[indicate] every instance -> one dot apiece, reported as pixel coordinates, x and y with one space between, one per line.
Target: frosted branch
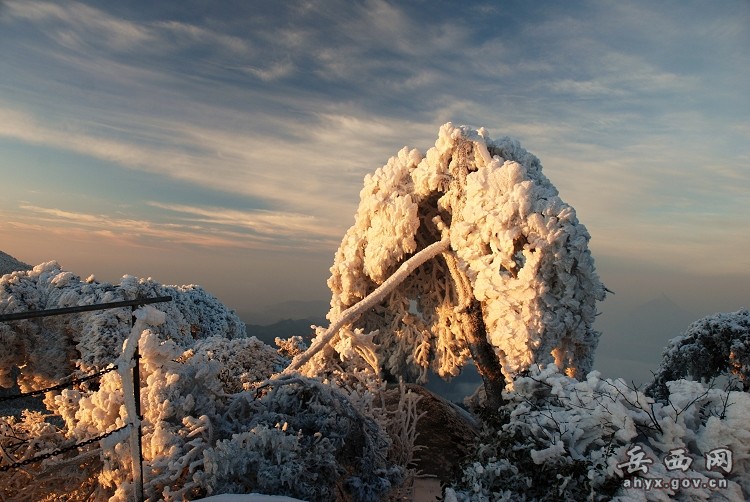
370 300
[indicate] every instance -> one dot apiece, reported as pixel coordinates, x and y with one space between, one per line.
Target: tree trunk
484 356
487 363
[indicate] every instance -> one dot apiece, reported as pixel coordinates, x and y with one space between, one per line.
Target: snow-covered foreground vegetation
464 253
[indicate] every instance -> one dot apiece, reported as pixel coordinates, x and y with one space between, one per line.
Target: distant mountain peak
659 305
9 264
292 309
659 318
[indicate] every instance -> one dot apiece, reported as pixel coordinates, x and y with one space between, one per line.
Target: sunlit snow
470 227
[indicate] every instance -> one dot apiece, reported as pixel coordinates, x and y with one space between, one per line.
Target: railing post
135 433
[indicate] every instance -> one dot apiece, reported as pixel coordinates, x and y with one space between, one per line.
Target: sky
224 143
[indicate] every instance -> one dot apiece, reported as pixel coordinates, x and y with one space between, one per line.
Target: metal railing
133 304
33 314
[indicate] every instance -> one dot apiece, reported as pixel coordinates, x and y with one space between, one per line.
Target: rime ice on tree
516 286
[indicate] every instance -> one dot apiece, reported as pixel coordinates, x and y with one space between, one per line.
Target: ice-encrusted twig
370 300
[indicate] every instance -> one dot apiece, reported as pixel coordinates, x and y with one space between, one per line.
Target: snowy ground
253 497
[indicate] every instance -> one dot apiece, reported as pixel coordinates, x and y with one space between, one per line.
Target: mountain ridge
10 264
290 309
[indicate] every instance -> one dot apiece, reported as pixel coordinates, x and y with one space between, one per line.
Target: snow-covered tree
503 272
718 344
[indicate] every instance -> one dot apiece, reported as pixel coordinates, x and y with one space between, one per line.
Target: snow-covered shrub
300 438
270 460
291 347
66 477
517 285
560 438
716 345
54 347
210 412
41 346
242 362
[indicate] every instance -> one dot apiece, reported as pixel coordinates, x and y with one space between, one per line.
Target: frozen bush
716 345
557 437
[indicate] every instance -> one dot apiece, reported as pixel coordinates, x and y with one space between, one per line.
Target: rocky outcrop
446 433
